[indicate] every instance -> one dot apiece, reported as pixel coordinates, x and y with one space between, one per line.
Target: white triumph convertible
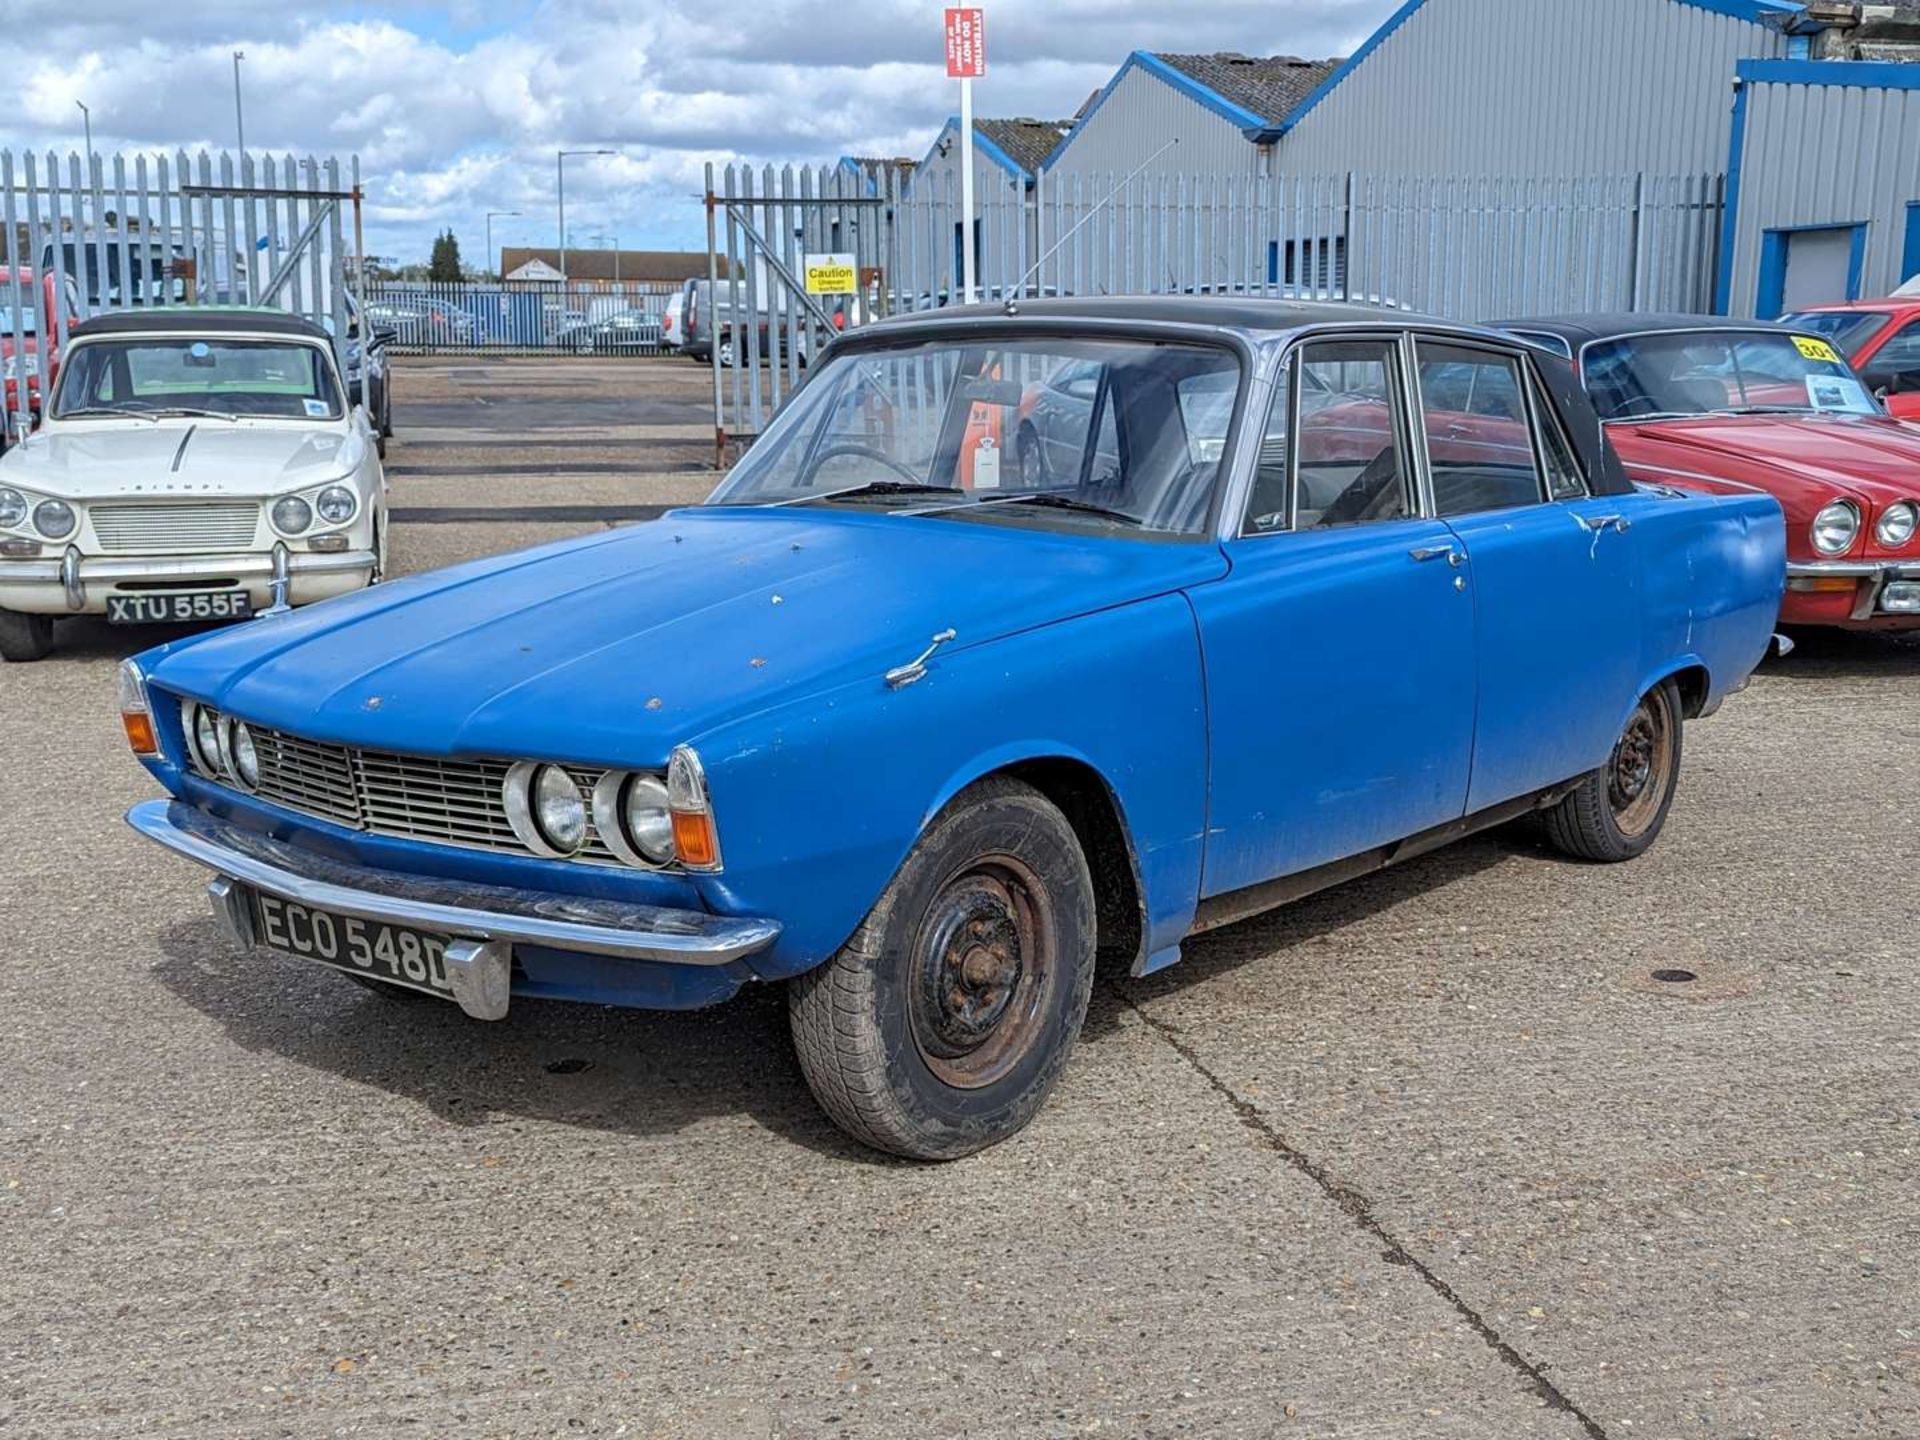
194 464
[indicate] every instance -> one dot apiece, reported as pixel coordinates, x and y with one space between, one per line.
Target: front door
1339 649
1553 571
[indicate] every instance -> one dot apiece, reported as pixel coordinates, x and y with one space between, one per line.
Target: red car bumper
1853 594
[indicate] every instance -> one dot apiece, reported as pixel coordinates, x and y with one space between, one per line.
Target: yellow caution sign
832 275
1816 350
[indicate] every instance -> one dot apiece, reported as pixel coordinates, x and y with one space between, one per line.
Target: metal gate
83 236
1464 248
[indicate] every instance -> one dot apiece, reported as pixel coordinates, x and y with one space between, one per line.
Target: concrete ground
1432 1155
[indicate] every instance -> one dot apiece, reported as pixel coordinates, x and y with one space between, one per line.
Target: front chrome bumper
80 577
485 921
1870 576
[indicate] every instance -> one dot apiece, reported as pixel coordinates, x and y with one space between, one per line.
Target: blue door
1339 648
1553 572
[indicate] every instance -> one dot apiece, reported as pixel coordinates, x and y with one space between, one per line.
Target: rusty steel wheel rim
984 965
1642 766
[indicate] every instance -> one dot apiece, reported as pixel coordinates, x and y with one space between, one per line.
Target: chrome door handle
1617 523
1436 552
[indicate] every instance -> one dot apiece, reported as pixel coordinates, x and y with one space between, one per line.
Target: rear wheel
1618 811
945 1022
25 637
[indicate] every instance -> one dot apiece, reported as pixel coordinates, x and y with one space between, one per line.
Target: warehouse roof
1266 86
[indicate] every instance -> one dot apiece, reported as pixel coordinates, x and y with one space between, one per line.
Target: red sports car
1881 340
1703 403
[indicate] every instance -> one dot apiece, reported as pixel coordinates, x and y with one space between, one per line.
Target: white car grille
174 528
411 797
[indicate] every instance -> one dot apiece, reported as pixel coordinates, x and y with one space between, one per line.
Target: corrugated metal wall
1139 116
1536 89
1826 155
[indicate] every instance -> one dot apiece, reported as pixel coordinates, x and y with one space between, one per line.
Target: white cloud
455 110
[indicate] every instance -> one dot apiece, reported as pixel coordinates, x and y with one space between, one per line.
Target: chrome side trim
1858 569
451 907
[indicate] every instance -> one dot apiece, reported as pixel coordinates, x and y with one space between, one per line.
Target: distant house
602 267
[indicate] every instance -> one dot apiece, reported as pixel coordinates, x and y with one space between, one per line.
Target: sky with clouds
457 109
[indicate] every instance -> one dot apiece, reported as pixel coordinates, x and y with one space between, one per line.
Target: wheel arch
1695 682
1077 788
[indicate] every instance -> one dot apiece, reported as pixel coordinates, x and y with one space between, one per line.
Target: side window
1349 468
1895 368
1564 478
1267 506
1479 442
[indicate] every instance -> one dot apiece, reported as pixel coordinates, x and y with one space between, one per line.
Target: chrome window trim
1523 377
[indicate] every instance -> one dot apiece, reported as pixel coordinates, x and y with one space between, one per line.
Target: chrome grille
410 797
174 527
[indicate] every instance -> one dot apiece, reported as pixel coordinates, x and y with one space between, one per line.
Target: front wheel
946 1020
1617 812
25 637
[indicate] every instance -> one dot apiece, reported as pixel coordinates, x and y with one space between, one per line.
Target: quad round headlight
13 508
1836 527
203 738
631 816
335 504
292 515
558 809
54 519
245 759
545 808
1897 524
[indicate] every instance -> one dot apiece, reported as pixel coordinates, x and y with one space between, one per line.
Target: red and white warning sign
966 44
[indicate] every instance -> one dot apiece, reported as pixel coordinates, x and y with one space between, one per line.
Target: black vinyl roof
1580 330
209 319
1235 312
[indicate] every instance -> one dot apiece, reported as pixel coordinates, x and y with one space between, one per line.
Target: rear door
1339 648
1553 570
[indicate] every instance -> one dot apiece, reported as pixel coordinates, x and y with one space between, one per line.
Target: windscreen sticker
316 409
1837 392
1816 349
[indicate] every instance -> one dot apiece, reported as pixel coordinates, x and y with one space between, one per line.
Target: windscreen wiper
872 487
1053 500
90 411
194 414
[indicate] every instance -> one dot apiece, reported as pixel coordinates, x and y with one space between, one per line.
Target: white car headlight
54 519
1836 527
1897 524
558 809
246 760
292 515
13 509
335 505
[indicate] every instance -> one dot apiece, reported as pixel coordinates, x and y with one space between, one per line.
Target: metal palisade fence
84 235
1461 248
523 316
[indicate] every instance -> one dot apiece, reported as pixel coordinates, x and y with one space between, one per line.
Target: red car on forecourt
1700 402
1881 340
27 326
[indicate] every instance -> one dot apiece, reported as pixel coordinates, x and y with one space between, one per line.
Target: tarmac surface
1432 1154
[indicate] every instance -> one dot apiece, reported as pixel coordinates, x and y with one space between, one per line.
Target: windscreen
1666 374
240 378
1847 330
1120 435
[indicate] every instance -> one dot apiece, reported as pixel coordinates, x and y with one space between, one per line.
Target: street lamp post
86 118
491 215
239 119
560 189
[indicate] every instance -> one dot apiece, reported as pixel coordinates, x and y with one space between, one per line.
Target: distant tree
444 266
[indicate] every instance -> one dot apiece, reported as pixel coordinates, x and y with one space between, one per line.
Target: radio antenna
1106 201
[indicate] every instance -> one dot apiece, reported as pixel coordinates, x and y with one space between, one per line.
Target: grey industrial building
1800 120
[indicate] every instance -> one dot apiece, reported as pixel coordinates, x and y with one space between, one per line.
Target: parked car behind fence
521 317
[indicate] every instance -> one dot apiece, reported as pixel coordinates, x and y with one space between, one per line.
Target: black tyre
1032 460
25 637
1618 811
945 1022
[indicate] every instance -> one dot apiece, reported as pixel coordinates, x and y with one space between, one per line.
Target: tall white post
969 274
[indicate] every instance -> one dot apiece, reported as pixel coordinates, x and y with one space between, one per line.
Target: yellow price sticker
1816 350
